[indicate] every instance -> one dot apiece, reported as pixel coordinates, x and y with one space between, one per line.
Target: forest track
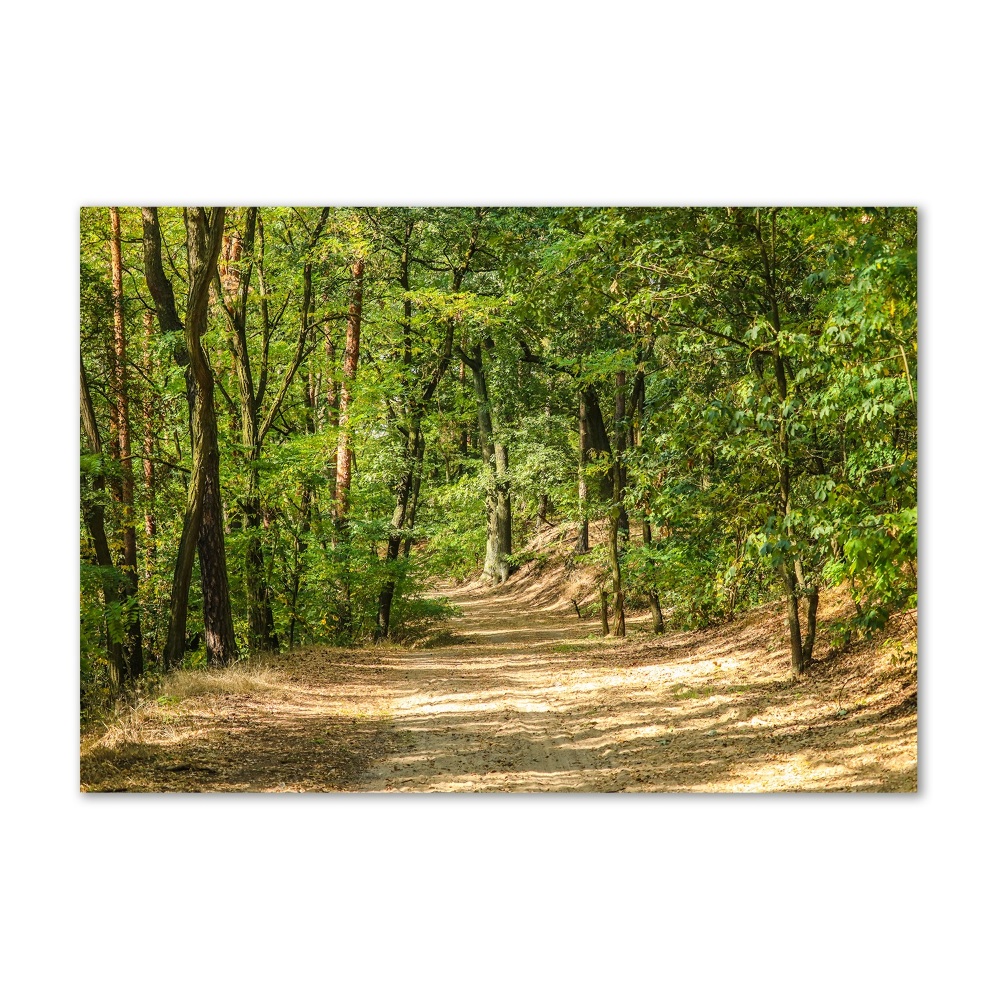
518 697
531 699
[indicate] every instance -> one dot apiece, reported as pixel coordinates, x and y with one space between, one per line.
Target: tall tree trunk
503 521
647 534
790 574
204 243
148 445
235 273
132 646
403 487
345 453
654 598
496 565
202 524
298 550
93 512
542 514
162 292
260 616
220 634
583 541
812 606
331 412
618 524
617 592
411 516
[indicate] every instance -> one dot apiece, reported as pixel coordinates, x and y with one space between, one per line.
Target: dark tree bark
148 446
639 398
210 549
617 518
162 292
792 575
654 598
132 645
411 516
159 285
202 525
403 487
298 552
93 513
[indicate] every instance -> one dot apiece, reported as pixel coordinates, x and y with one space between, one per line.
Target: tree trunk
502 520
235 274
618 526
220 634
597 440
415 411
345 453
785 488
204 503
812 606
647 533
792 615
260 616
148 444
617 592
583 541
93 512
132 645
791 575
411 516
542 516
605 630
496 564
299 548
652 595
162 293
403 488
204 244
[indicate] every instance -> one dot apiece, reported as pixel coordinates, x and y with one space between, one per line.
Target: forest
339 433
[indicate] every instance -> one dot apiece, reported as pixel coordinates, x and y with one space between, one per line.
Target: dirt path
527 702
519 698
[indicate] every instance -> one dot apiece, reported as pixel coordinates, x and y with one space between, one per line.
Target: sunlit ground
528 700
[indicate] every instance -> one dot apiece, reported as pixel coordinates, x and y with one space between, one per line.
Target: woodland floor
521 695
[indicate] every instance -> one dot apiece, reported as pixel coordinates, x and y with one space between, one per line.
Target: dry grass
250 677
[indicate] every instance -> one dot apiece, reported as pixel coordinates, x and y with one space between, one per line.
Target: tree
256 414
125 481
732 392
202 529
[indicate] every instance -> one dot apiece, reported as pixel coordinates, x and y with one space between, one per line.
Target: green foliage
743 468
455 528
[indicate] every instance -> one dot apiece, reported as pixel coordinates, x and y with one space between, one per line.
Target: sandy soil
519 695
